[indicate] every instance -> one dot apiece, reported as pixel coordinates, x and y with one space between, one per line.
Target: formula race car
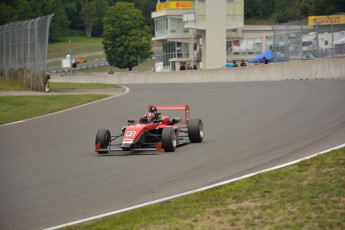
153 132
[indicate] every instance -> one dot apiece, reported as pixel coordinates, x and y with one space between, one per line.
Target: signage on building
326 20
174 5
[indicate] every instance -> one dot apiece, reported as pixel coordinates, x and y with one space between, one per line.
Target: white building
195 31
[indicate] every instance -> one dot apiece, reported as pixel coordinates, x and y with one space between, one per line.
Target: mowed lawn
78 45
16 108
307 195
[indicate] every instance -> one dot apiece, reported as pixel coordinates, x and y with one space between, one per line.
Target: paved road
51 175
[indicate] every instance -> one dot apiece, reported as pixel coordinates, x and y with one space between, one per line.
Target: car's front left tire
169 139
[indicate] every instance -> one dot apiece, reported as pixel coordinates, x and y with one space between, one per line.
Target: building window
200 9
161 27
234 10
244 47
174 50
176 25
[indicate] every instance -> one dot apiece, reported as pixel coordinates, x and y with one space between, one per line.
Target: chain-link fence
24 44
303 40
23 51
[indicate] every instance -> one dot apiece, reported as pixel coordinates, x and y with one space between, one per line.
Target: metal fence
298 40
24 44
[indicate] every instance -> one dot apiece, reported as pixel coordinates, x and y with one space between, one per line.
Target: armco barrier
333 68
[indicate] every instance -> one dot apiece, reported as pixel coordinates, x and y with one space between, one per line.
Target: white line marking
16 122
193 191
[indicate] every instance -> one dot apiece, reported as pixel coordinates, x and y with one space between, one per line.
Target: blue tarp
268 54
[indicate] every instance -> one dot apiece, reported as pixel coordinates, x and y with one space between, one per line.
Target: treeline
279 11
71 16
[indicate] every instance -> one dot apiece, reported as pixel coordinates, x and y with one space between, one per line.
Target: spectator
228 64
265 60
46 83
234 62
183 66
194 67
189 67
243 63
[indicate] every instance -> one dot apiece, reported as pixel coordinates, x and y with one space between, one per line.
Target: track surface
51 175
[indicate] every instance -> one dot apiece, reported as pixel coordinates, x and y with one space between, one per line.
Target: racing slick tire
195 130
169 139
103 138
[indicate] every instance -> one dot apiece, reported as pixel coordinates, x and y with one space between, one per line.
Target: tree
60 21
126 38
282 12
7 13
89 17
101 8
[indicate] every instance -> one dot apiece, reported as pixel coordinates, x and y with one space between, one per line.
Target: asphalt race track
50 174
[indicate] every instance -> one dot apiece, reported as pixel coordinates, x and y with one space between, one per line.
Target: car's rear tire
103 138
195 130
169 139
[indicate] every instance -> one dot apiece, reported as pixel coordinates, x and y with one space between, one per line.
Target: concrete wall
316 69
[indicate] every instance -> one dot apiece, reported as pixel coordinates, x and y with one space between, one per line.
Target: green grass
88 59
11 86
307 195
16 108
71 86
79 45
147 65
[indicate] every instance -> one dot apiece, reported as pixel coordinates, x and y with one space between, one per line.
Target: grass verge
79 45
72 86
16 108
11 86
307 195
147 65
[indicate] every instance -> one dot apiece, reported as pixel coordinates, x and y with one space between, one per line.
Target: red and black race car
153 132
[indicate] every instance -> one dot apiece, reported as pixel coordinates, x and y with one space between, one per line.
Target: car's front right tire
195 130
103 139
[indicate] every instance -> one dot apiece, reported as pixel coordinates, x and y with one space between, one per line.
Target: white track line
16 122
193 191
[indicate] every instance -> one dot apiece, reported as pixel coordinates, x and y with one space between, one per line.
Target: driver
152 115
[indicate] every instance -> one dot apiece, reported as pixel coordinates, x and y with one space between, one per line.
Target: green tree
282 12
60 21
24 10
89 17
326 7
126 38
101 8
7 13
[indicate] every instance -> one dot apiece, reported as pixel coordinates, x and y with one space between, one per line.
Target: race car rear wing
177 107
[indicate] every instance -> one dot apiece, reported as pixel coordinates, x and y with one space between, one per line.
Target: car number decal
130 133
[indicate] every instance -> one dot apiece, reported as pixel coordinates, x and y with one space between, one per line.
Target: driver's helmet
152 109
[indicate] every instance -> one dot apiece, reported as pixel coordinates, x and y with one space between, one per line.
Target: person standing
235 64
46 83
243 63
